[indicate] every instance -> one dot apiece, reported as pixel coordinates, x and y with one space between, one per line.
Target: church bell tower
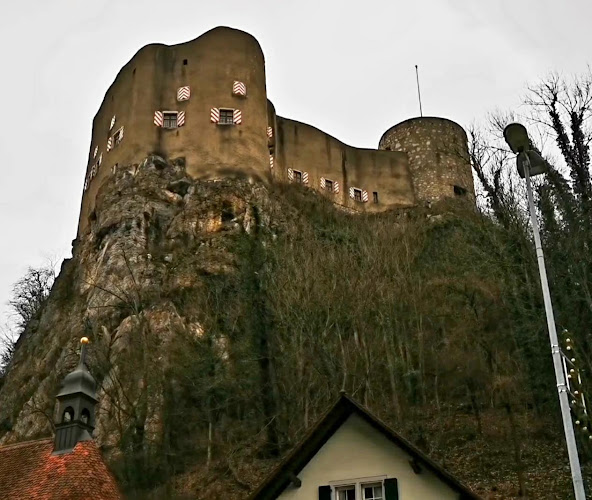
76 406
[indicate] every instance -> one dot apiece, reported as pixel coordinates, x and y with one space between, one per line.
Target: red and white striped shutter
215 115
336 187
180 118
322 182
364 195
290 174
158 118
121 135
112 123
95 151
352 193
269 132
237 117
85 184
304 177
183 93
100 159
239 88
110 144
270 161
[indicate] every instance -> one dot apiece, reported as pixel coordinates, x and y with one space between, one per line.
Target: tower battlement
206 100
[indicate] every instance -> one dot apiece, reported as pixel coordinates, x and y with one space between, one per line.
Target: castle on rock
206 101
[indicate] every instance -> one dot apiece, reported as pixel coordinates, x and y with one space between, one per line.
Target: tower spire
76 406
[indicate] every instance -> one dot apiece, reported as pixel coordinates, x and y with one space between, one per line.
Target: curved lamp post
529 162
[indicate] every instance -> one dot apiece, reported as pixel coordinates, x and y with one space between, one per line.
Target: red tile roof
28 471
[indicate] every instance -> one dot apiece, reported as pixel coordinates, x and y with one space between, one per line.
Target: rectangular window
297 176
357 194
118 137
375 196
226 117
346 493
329 185
169 119
372 491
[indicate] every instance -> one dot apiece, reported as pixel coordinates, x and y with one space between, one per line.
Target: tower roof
79 381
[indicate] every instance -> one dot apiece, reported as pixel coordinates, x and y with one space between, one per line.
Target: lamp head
517 138
532 160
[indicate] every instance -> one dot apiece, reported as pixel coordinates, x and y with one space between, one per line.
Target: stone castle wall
224 69
438 156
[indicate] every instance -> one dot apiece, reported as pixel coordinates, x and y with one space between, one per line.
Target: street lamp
529 162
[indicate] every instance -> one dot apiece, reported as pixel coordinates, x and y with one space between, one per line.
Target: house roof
29 471
328 424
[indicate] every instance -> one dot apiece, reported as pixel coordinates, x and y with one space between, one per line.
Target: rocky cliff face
154 236
225 316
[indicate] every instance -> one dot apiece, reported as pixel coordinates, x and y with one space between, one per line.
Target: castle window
297 176
459 191
184 62
329 185
118 137
169 119
226 117
357 194
68 415
375 196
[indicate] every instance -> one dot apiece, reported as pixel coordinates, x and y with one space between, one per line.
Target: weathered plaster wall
149 83
438 156
302 147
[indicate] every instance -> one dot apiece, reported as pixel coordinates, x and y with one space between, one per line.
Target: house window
297 176
169 119
375 196
357 194
360 491
329 185
226 117
346 493
372 491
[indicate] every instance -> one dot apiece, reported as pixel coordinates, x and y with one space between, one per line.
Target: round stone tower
438 156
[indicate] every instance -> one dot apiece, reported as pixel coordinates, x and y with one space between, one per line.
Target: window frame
114 136
357 194
330 182
358 483
164 119
226 112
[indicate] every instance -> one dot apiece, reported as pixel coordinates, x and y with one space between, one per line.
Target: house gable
363 434
358 453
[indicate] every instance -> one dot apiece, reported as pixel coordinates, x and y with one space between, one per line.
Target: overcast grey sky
344 66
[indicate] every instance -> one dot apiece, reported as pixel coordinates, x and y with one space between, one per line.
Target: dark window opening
227 212
117 137
297 176
358 194
226 117
459 191
169 120
184 62
85 416
68 415
375 196
329 185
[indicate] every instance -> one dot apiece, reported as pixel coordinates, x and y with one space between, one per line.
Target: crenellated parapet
206 101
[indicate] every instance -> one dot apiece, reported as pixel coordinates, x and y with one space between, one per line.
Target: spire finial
84 342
